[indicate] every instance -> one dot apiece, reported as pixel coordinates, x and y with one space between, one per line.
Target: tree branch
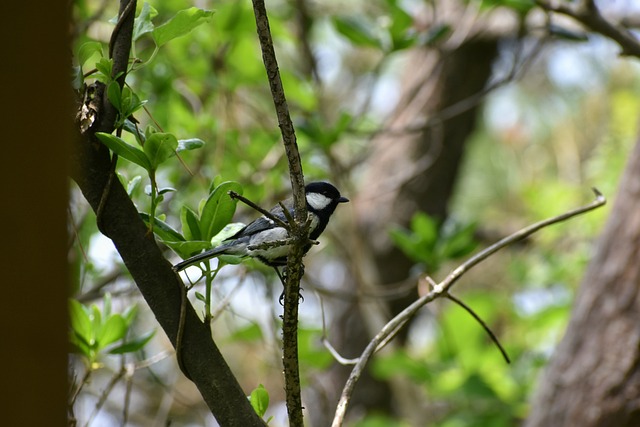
441 289
299 227
587 13
157 282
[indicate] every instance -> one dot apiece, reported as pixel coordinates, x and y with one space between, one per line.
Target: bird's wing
261 224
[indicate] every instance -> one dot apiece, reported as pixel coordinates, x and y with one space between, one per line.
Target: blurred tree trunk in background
593 378
412 168
413 172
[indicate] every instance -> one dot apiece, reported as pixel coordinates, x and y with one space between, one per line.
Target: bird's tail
211 253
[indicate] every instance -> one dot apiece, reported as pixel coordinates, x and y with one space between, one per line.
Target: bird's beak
343 200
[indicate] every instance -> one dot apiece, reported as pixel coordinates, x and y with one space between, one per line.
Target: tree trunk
593 378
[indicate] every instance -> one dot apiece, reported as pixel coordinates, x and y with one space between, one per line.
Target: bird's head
323 197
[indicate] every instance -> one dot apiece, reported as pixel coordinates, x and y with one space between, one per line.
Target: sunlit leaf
114 329
187 249
163 230
87 50
133 345
180 24
218 210
159 147
358 30
143 24
190 224
124 150
259 399
80 321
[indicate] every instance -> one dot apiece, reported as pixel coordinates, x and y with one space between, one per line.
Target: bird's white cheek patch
318 201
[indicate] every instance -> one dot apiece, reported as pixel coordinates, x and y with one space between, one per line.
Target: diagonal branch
441 289
587 13
263 211
483 324
159 285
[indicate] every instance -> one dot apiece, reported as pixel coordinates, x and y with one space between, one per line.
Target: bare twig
441 289
337 356
482 323
298 228
105 394
325 340
586 12
263 211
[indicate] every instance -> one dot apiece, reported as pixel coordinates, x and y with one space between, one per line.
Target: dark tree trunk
416 171
593 379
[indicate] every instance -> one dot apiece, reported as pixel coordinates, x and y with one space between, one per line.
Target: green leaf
187 249
124 150
218 210
358 30
159 147
80 321
106 304
104 67
190 224
189 144
143 24
163 230
114 94
435 34
401 29
133 345
260 400
87 50
182 23
130 314
228 231
165 190
130 127
230 259
114 329
200 297
458 243
96 320
133 184
425 227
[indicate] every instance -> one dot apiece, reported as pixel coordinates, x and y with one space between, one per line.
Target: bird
322 199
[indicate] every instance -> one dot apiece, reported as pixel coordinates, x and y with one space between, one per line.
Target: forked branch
441 289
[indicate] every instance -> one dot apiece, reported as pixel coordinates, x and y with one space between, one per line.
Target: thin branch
440 290
337 356
263 211
105 394
482 323
587 13
325 340
298 228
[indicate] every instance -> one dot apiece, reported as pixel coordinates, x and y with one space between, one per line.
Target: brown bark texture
593 378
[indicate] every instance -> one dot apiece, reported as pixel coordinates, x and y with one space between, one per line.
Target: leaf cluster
96 332
429 243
